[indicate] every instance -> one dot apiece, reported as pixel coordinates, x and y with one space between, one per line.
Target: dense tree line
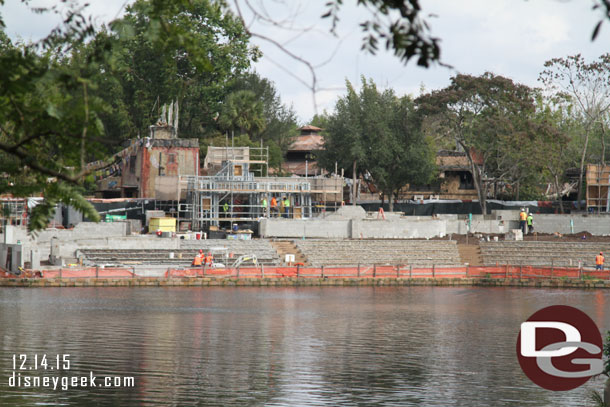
518 140
76 95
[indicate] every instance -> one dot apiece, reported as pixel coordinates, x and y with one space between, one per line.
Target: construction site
162 208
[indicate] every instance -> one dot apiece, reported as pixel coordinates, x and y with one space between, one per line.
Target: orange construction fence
361 271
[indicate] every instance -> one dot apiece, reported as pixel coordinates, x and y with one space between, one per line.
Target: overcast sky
508 37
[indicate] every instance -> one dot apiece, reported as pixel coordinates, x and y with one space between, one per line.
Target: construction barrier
360 271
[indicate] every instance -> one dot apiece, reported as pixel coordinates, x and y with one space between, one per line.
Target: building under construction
232 191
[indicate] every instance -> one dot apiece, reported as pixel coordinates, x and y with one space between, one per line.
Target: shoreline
303 281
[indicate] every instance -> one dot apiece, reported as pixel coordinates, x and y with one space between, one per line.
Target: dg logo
560 348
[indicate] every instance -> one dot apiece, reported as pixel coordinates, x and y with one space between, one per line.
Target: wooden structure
598 191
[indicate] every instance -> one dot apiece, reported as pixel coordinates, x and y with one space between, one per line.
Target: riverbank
303 281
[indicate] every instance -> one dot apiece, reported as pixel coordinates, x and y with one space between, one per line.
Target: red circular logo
560 348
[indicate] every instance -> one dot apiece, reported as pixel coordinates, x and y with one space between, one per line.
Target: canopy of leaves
381 133
488 117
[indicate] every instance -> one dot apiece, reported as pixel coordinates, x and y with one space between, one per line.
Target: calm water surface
330 346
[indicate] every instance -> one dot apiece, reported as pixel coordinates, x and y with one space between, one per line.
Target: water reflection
285 346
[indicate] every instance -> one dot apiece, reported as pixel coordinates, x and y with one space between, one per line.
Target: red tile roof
310 142
310 128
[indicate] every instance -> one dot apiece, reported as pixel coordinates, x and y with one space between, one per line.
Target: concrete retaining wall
403 228
428 226
312 228
595 224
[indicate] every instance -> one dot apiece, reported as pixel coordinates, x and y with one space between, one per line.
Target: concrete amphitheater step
284 247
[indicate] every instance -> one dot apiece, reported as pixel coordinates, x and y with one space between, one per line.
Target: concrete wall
428 226
16 258
594 224
404 228
312 228
67 240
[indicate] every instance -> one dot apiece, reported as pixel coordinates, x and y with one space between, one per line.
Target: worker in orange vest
273 207
209 259
599 261
198 259
522 220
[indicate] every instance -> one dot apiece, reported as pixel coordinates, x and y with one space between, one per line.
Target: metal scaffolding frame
221 198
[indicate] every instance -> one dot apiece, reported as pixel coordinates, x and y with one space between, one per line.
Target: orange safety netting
385 271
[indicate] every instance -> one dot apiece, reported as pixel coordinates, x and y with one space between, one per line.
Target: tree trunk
582 169
478 183
354 186
391 206
518 189
558 194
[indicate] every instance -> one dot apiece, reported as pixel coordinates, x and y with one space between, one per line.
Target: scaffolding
234 194
598 188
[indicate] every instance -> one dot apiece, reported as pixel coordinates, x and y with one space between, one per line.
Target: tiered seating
542 253
262 249
352 252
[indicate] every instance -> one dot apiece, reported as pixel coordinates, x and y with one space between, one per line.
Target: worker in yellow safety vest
286 204
599 261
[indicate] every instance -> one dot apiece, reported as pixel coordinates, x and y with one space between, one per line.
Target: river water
323 346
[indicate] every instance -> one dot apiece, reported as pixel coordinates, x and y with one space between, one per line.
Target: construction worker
209 259
198 259
530 223
599 261
522 220
286 204
225 209
274 209
264 205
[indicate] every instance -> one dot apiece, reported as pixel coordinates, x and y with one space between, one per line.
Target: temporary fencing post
298 269
60 272
133 275
97 271
410 271
467 269
551 268
358 270
374 270
203 270
322 271
580 270
398 271
433 271
237 271
521 272
263 271
506 272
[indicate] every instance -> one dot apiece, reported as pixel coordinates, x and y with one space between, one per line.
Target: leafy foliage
488 117
407 35
381 134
